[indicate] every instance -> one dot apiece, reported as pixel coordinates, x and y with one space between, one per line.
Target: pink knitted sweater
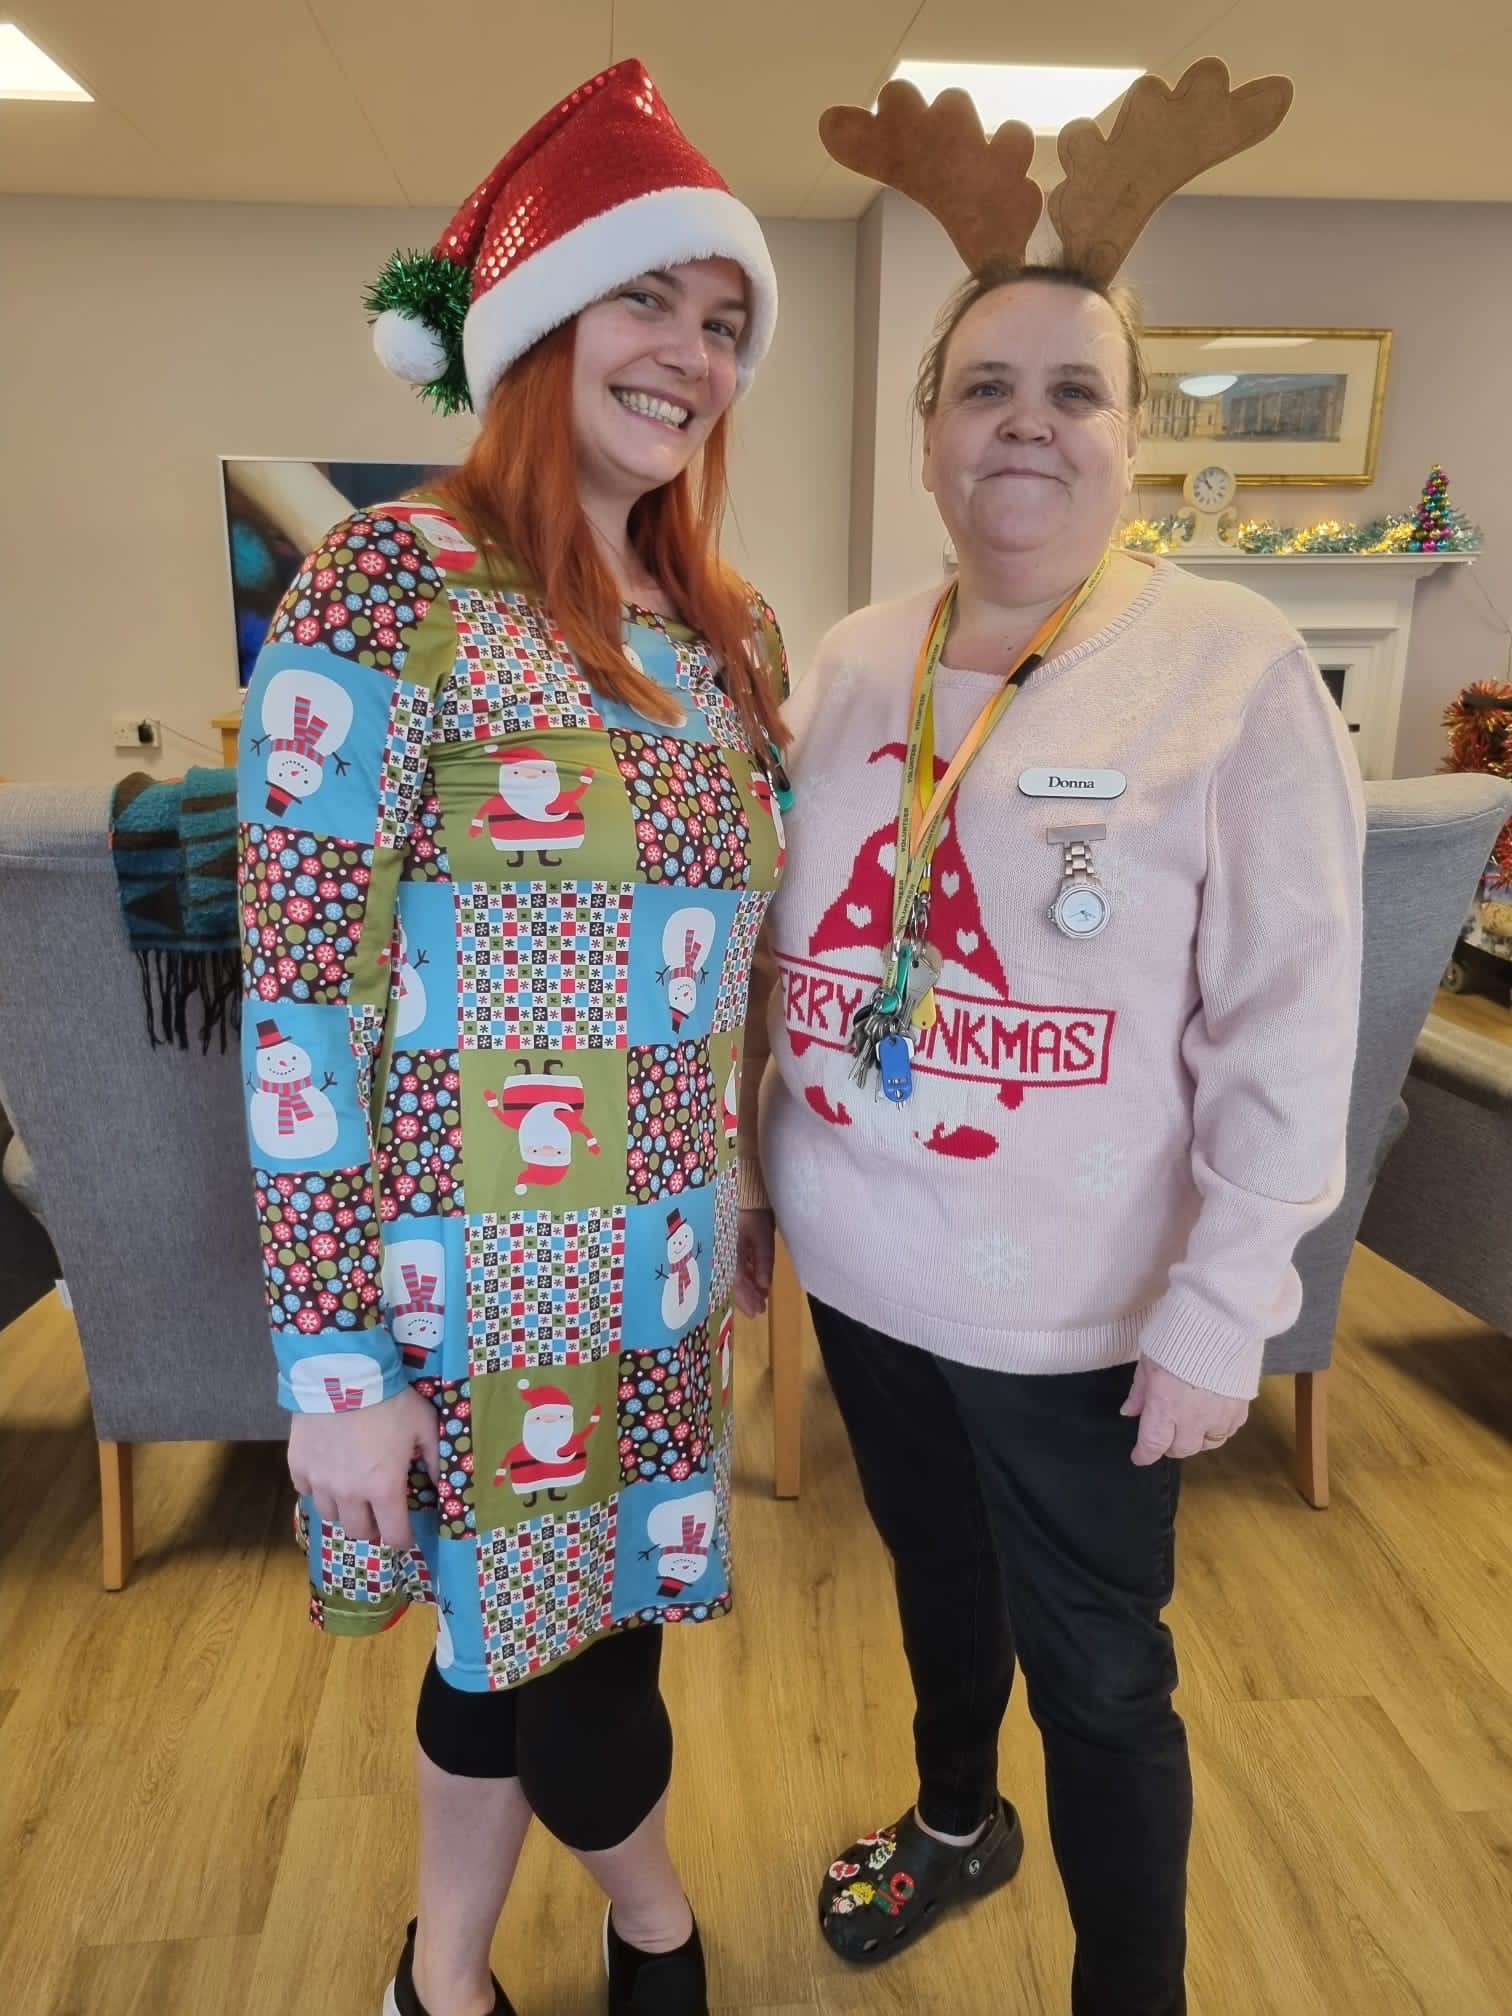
1115 1143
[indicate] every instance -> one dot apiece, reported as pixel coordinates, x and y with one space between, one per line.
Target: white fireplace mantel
1355 611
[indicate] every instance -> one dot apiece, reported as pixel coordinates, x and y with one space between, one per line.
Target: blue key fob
895 1063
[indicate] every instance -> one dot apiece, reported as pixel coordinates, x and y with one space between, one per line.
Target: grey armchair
1428 840
138 1156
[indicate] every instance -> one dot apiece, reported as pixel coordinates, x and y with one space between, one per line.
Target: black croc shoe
655 1984
888 1889
401 1999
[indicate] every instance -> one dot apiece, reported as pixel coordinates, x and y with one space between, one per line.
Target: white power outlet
136 731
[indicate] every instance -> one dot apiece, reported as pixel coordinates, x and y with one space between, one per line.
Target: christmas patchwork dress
497 935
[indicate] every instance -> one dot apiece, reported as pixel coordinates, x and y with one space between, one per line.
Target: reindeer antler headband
981 190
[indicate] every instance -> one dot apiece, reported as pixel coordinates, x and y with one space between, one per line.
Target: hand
755 1254
1176 1419
356 1465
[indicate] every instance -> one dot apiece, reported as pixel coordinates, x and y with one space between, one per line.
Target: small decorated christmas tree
1479 723
1434 519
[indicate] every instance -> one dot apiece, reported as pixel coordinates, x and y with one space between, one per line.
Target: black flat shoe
655 1984
888 1889
401 1999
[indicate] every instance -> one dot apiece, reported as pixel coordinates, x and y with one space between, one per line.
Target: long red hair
517 491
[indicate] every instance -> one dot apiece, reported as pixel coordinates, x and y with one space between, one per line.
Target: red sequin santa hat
603 188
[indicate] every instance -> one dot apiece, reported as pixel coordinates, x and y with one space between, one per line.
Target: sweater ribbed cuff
750 1185
1186 1336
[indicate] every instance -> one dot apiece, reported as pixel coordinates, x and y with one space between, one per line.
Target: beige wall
1438 274
142 340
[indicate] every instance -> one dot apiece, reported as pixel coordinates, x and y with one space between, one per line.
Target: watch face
1082 912
1213 487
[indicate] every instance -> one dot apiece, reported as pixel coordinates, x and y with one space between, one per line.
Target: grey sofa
139 1158
1443 1207
1429 839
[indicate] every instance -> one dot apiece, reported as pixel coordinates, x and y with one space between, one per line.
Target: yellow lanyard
922 804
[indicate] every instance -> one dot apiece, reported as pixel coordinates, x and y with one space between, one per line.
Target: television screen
278 511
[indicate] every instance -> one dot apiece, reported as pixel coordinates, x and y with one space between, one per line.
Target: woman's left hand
1176 1419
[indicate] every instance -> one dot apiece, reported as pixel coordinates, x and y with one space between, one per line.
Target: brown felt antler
1162 138
979 189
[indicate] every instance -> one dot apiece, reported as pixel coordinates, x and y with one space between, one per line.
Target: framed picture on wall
1273 405
277 511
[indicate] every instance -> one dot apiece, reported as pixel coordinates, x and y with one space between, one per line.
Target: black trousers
590 1741
1022 1534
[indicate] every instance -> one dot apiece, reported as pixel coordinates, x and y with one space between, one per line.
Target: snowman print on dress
531 813
683 1279
291 1118
336 1382
681 1532
410 987
545 1108
306 718
687 940
414 1293
446 1647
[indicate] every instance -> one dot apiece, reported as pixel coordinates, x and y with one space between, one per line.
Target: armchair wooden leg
785 1344
1312 1438
117 1529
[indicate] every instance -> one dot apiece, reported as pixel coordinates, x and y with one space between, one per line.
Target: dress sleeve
1271 1045
332 761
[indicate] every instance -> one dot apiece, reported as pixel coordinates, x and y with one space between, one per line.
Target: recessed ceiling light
1044 96
26 73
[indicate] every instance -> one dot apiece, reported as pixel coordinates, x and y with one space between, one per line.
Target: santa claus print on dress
305 717
545 1108
532 812
551 1455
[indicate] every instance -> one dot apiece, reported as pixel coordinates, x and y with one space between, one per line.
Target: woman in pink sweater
1060 1066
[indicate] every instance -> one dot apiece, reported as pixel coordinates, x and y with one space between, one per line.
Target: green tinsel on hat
419 303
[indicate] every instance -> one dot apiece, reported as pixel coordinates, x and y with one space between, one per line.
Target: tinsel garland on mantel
1435 527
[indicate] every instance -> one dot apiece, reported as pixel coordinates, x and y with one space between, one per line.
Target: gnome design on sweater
306 718
545 1108
550 1455
290 1116
683 1530
414 1292
531 813
687 940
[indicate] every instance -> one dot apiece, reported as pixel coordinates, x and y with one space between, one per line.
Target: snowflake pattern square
301 912
452 1400
424 854
365 1035
735 980
363 592
690 824
545 1589
514 674
566 950
401 773
726 1239
419 1155
672 1126
664 1410
543 1288
996 1261
1101 1170
319 1249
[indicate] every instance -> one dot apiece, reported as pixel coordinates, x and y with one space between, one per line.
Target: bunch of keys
882 1033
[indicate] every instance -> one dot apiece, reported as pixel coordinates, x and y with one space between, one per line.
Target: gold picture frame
1277 406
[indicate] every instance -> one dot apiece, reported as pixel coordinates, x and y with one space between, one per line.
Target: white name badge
1073 783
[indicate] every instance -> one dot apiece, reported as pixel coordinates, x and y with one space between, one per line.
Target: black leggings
590 1741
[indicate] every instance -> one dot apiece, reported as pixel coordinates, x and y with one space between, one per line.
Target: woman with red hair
509 790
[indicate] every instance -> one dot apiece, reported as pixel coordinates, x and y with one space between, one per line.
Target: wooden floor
206 1806
1486 1014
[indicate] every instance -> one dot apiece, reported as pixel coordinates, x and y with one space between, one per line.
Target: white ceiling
411 101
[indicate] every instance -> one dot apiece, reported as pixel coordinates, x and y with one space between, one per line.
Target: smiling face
1031 445
654 367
